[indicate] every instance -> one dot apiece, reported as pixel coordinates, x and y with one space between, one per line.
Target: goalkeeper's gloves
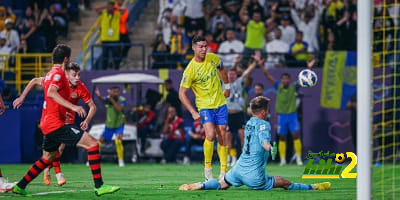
274 151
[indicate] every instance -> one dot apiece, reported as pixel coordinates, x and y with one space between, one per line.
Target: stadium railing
92 37
98 48
18 69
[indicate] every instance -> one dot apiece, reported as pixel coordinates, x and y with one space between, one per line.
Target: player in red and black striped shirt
56 132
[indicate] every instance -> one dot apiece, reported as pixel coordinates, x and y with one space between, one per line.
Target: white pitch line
59 192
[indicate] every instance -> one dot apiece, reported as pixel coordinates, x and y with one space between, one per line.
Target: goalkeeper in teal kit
250 168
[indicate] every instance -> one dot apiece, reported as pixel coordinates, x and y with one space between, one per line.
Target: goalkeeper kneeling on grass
250 168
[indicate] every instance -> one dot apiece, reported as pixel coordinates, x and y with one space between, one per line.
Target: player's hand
2 108
84 125
196 116
227 93
18 102
80 111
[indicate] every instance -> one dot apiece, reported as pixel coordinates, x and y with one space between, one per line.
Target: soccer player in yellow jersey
202 75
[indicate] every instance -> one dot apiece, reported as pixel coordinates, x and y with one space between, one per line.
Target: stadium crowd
288 32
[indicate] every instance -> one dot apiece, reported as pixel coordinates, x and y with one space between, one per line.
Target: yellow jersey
203 79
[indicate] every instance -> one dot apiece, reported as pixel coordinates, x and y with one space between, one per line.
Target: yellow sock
208 153
282 149
233 152
120 149
297 146
223 157
99 145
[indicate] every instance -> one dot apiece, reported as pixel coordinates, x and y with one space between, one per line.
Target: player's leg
229 140
90 144
49 153
119 145
207 120
57 169
221 120
211 184
282 132
280 182
294 127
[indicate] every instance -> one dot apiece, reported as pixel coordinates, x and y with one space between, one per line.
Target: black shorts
68 134
235 121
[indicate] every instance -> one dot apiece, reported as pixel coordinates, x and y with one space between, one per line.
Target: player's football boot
193 186
106 189
60 179
46 176
322 186
299 162
5 186
283 162
208 174
20 191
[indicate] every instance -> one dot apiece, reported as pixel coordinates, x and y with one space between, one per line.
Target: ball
307 78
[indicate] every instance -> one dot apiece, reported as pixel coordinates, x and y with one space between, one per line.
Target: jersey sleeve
276 85
187 78
216 61
55 80
122 100
85 95
264 132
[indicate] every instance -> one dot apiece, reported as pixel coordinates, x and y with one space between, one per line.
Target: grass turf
155 181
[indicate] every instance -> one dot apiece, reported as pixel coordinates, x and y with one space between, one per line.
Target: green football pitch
156 181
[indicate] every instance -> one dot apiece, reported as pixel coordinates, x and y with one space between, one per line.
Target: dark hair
168 81
73 66
115 87
299 32
198 38
285 74
258 104
260 85
60 52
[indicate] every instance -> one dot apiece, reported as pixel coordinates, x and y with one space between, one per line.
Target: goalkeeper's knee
211 184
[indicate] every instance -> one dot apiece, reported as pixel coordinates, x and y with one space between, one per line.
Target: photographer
115 120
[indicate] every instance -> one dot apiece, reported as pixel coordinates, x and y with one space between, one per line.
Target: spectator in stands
334 9
347 28
145 125
160 53
219 35
179 46
194 15
34 40
22 47
6 15
109 36
240 31
288 31
232 10
5 51
58 9
197 136
331 44
47 29
382 20
74 11
11 35
309 25
172 98
230 49
276 50
298 49
219 17
173 135
254 36
123 28
212 46
282 7
29 13
164 25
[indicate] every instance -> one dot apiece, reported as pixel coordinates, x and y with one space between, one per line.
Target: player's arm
186 102
267 75
52 93
117 106
20 100
223 75
89 117
98 94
